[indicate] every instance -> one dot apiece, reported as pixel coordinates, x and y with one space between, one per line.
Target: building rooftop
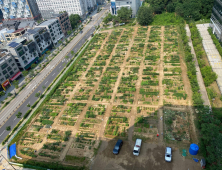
47 22
33 31
19 30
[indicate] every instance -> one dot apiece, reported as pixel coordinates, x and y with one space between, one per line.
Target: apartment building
24 51
14 9
117 4
81 7
53 27
8 35
41 37
64 21
216 19
9 70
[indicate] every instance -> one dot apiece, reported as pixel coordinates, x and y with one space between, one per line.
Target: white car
168 154
136 149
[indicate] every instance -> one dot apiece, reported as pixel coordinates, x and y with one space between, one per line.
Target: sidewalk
213 55
203 91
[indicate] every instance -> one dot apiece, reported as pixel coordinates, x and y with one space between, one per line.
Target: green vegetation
167 19
145 15
216 41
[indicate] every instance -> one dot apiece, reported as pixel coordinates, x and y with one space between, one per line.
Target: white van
137 147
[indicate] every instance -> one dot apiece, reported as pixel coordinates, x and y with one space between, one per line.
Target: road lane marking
14 119
46 82
2 133
53 74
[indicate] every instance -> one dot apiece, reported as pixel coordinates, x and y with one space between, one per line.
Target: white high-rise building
81 7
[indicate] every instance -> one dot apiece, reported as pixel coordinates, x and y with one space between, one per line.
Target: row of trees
194 9
123 15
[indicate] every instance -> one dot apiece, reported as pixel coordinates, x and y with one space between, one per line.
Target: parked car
117 147
168 154
137 147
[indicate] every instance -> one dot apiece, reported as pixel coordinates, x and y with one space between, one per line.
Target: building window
2 79
9 68
4 66
49 26
13 64
6 76
5 72
25 62
15 68
10 60
11 73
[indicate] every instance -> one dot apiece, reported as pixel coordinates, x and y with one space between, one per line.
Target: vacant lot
125 82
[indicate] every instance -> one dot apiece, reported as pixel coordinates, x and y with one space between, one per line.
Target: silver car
168 154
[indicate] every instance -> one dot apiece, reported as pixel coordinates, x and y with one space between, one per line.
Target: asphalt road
13 120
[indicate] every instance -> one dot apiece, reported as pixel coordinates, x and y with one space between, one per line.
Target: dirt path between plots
161 76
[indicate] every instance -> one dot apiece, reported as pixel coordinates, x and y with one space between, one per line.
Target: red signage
5 83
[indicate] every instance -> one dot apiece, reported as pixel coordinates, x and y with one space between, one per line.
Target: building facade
53 27
80 7
41 37
14 9
9 70
117 4
64 22
216 19
24 51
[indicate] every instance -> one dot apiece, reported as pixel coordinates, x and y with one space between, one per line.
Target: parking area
151 157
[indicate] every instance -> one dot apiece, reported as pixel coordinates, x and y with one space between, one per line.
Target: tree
37 94
33 65
145 15
69 32
43 87
16 84
19 115
67 57
74 20
72 53
60 42
2 93
207 6
179 9
124 13
8 128
25 73
192 9
170 7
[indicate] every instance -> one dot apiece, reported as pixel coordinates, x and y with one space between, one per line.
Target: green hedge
191 70
49 165
215 40
27 113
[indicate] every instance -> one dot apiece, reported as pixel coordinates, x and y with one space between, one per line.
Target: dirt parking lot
151 157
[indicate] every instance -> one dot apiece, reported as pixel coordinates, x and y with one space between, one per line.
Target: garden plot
121 110
136 55
106 85
87 138
173 85
176 125
170 40
141 35
113 38
145 128
49 145
71 114
149 89
127 36
127 87
155 34
117 126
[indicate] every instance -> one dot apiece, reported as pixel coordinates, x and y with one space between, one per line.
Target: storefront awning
5 83
16 75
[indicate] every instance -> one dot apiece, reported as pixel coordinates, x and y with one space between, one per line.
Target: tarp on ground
12 150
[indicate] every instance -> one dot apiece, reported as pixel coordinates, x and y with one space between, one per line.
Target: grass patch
167 19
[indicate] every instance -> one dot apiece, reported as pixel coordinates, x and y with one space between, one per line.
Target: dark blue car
117 147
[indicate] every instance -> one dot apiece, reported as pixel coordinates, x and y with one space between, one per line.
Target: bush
27 113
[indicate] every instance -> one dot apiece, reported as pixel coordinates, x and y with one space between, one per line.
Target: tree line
188 9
